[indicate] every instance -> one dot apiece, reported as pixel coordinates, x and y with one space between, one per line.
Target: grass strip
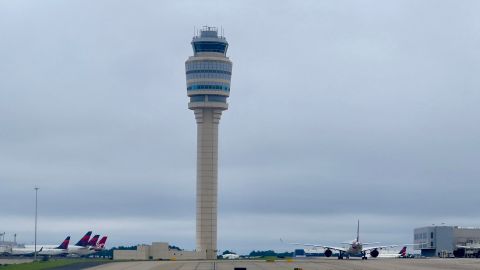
41 265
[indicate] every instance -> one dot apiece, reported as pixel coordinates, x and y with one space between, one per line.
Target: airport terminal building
448 241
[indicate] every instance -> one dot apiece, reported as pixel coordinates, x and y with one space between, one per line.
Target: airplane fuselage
41 250
230 256
52 252
355 248
79 250
22 251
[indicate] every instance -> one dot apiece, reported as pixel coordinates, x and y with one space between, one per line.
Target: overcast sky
339 110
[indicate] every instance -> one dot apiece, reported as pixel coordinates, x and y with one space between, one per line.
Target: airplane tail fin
93 241
84 241
358 230
101 243
403 252
64 244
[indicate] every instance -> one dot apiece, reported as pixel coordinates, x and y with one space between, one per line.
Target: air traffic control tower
208 85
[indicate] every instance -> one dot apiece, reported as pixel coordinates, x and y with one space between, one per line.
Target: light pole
36 210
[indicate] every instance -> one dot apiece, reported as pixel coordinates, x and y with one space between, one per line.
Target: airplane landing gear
364 257
340 256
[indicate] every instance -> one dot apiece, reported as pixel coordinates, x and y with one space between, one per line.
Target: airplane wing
473 246
378 247
320 246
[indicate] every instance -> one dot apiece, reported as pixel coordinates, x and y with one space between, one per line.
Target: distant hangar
447 241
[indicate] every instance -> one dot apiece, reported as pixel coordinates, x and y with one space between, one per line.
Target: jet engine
374 253
328 253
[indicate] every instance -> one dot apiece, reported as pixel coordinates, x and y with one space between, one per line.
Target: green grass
40 265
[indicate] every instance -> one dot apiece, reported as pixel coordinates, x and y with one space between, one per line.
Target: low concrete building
447 241
156 251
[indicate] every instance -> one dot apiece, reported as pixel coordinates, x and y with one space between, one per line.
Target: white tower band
208 85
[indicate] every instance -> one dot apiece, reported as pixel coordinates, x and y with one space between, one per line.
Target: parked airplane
42 250
85 246
230 256
87 250
62 249
81 246
355 248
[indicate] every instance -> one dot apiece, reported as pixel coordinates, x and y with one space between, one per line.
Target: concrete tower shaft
208 74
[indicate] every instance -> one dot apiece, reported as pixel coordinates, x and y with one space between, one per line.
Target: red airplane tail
84 241
403 252
93 241
64 244
101 243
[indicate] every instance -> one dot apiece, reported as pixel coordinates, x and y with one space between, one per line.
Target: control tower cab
208 71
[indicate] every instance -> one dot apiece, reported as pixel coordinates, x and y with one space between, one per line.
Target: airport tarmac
308 264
